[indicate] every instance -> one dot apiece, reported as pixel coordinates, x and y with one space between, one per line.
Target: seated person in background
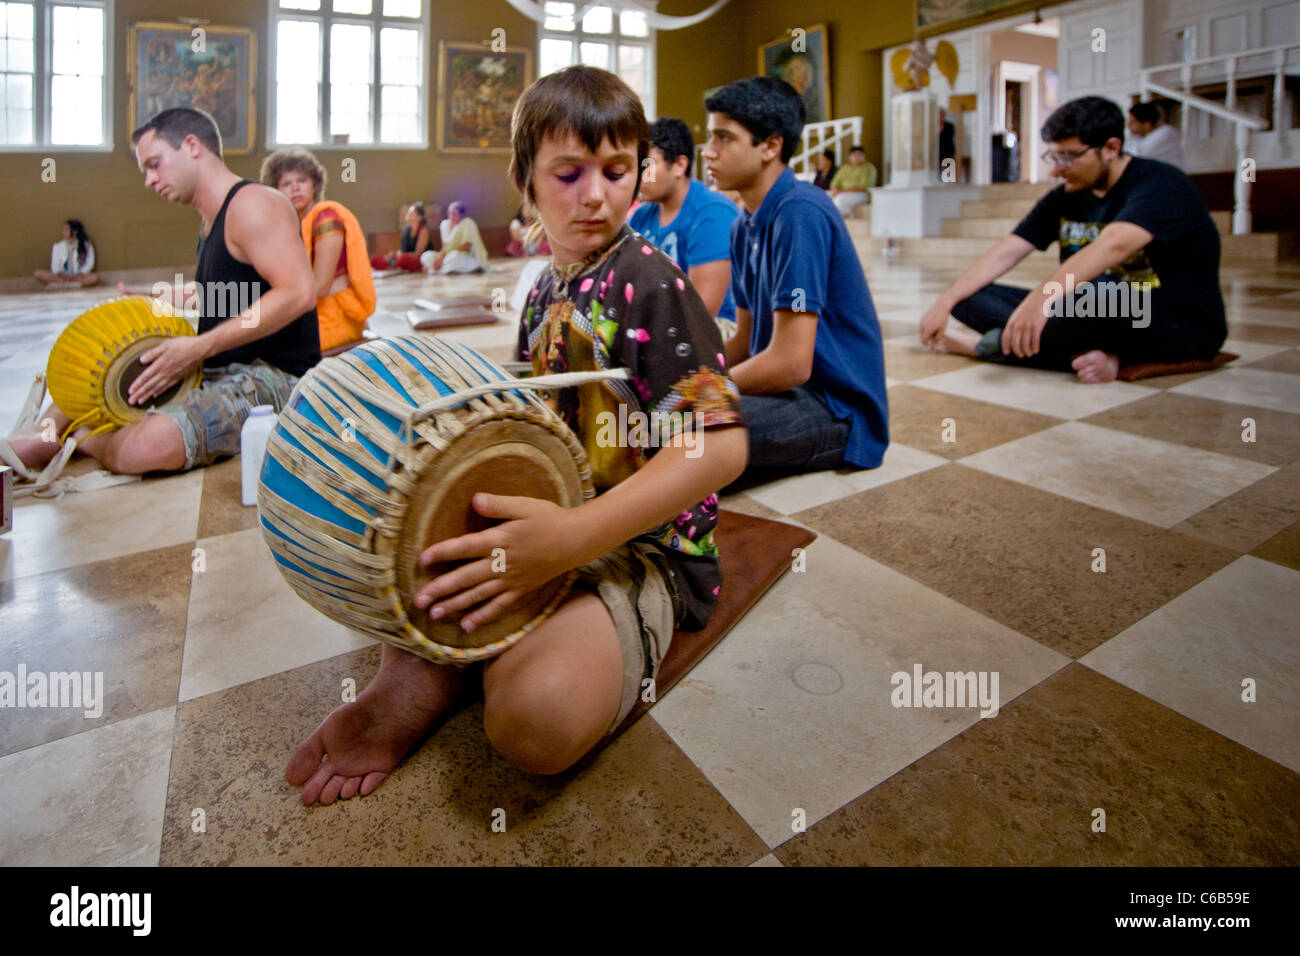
683 218
462 246
1139 274
525 238
345 289
72 260
825 169
850 184
415 242
1153 139
807 353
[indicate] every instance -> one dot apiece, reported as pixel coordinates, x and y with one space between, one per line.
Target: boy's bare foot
360 743
957 342
1096 366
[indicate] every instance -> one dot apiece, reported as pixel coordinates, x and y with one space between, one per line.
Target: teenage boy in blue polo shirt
683 218
807 352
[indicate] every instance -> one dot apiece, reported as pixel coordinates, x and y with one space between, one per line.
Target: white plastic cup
252 448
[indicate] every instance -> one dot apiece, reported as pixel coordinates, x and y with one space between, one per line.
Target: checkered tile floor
1119 556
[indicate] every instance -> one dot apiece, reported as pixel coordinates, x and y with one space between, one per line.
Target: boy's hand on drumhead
166 364
522 553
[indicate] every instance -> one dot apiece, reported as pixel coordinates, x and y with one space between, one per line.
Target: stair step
1015 190
997 208
976 228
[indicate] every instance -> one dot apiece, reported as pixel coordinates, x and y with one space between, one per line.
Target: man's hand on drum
532 552
165 365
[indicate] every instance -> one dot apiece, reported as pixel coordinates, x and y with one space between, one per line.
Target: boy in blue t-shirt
680 215
807 354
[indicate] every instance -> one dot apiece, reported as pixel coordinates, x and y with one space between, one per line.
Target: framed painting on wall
803 61
210 68
477 90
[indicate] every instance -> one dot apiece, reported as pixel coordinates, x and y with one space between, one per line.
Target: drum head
513 456
125 369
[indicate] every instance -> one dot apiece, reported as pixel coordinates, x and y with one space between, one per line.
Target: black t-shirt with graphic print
631 307
1182 260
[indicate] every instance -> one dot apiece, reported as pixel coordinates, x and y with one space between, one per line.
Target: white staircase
1000 208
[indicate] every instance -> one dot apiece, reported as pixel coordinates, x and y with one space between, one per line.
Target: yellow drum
96 358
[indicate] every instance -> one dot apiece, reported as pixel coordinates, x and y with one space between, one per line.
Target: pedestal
915 157
911 212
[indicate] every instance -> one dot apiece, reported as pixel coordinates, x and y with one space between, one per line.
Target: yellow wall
132 228
725 48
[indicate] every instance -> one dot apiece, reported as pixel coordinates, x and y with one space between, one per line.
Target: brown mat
1131 373
755 553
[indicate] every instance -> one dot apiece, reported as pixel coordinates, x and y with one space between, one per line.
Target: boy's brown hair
591 104
294 160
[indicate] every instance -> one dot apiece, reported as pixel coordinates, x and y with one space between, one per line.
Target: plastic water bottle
252 448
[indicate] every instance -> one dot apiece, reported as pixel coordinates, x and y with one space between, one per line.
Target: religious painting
802 59
477 89
206 67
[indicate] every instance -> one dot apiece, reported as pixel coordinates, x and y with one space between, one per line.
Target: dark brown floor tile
1021 790
1208 424
1282 548
1250 517
747 505
917 415
903 363
221 509
124 617
1021 556
1288 361
642 802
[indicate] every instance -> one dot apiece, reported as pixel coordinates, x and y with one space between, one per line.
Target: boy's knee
525 721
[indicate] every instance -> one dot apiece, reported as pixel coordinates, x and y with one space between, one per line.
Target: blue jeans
793 431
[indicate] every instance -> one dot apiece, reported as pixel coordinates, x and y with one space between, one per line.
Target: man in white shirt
1152 139
462 246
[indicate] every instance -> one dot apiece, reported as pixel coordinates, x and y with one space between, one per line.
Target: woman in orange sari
345 290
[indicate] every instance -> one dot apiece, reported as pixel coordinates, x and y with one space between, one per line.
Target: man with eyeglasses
1139 274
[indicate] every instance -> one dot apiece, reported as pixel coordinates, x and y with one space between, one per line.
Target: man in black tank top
256 295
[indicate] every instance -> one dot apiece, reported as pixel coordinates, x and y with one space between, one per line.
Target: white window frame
43 78
376 21
614 38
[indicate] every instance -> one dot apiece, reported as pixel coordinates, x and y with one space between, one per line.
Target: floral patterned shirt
629 306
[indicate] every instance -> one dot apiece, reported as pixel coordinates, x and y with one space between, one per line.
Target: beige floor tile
1059 394
768 860
1253 515
1248 386
1020 555
641 802
1022 790
1144 478
245 622
788 495
81 527
1193 654
793 709
221 510
123 619
92 799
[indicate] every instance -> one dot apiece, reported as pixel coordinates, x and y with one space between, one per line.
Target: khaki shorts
632 582
210 417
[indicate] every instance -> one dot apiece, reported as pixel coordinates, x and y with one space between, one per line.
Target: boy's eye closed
568 177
